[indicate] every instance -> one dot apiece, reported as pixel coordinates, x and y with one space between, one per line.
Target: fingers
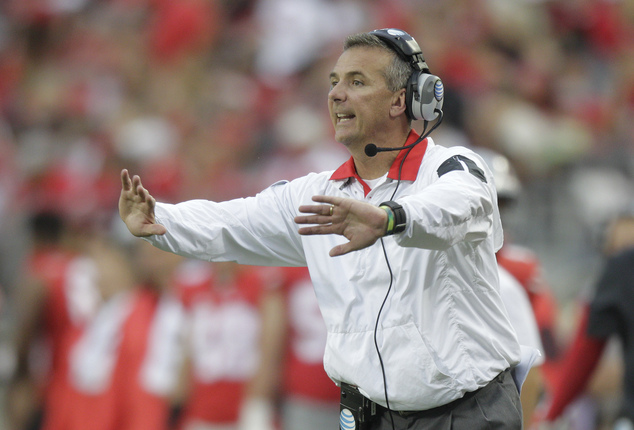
138 189
155 229
354 220
331 200
319 220
327 209
316 229
340 250
322 214
136 207
135 186
144 195
126 184
346 248
318 210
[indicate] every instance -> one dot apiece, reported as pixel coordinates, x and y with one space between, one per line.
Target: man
124 367
417 331
608 314
56 297
226 305
525 325
524 266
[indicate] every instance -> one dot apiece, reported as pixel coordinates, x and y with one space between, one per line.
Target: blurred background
218 99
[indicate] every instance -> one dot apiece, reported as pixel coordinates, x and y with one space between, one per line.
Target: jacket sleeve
256 230
458 205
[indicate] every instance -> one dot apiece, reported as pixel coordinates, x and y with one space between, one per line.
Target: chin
344 139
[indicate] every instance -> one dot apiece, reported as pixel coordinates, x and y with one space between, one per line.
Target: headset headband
424 92
404 45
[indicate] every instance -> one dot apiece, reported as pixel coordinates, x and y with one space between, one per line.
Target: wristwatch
396 218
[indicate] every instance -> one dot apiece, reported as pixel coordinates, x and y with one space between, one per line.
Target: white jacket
443 330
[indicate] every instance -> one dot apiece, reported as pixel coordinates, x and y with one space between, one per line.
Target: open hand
136 207
361 223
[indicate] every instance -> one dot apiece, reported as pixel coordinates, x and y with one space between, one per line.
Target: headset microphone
371 149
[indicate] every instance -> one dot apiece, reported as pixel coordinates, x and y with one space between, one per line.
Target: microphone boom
371 149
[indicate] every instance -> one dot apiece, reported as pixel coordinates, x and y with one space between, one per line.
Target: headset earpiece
425 92
425 96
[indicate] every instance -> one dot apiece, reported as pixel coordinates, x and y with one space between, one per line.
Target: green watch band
396 218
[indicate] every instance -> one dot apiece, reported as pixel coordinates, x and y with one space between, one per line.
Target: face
154 266
620 235
359 101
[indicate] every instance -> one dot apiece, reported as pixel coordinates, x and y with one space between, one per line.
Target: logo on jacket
346 420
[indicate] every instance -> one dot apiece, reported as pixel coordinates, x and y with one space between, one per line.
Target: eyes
353 83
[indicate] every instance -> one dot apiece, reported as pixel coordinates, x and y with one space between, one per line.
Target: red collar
410 166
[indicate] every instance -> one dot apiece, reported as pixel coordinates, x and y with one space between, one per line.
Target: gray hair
397 74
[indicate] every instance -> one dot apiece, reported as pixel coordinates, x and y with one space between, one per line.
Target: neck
374 167
377 166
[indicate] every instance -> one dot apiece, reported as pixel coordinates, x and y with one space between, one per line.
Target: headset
425 92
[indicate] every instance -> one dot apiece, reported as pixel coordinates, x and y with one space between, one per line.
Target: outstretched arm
136 207
578 366
361 223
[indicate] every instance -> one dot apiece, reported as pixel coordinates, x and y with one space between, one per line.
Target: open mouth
344 118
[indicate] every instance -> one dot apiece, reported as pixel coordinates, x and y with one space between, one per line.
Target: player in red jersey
222 302
291 383
124 367
310 397
55 298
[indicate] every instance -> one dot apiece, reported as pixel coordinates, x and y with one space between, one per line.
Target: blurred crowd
218 99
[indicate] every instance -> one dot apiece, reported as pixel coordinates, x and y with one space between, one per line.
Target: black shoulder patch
458 162
449 165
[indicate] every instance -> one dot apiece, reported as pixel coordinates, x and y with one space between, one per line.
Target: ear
398 105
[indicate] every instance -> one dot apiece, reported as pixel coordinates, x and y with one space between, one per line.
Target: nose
336 93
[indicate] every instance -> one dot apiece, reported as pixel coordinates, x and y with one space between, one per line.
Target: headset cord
422 137
376 329
389 267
